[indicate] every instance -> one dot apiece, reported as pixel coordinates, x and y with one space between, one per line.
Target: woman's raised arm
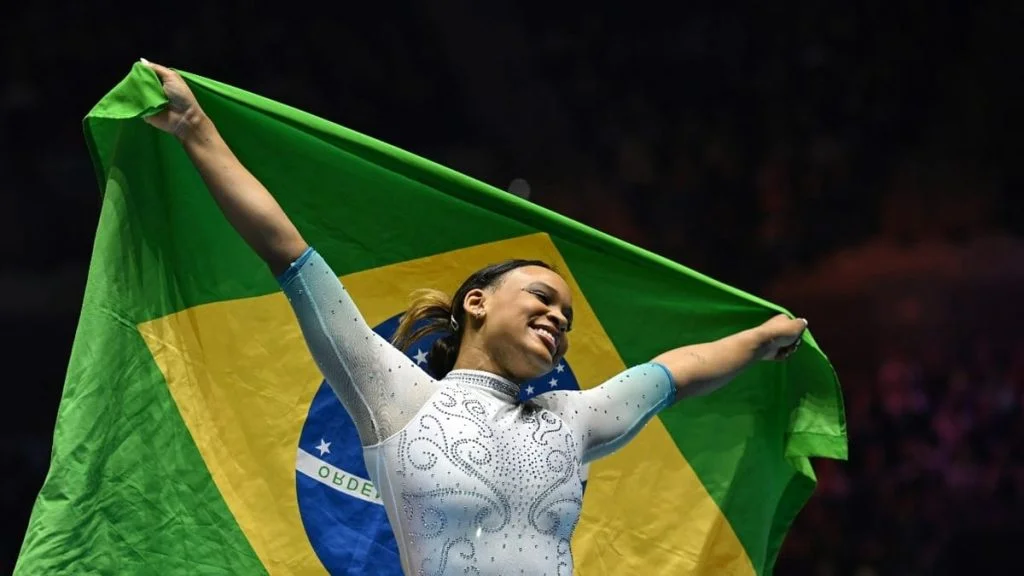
245 202
379 386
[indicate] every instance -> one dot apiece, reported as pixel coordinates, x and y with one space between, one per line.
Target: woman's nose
558 319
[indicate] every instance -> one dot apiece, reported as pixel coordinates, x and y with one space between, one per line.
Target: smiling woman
472 479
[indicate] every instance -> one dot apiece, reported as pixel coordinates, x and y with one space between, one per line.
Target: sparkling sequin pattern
485 485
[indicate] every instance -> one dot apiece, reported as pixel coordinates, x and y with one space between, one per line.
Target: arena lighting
520 187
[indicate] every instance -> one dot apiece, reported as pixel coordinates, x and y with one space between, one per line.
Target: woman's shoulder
562 403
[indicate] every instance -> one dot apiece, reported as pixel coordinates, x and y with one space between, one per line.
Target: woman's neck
474 357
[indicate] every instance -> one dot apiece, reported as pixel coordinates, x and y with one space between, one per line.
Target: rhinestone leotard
473 481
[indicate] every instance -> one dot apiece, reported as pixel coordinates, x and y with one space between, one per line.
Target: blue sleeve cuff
671 395
287 276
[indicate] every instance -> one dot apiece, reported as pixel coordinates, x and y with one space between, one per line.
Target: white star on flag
529 389
324 447
560 368
420 357
553 382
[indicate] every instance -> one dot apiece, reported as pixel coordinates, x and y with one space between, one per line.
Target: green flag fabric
193 431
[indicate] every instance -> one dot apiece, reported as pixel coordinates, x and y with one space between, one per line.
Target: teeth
546 335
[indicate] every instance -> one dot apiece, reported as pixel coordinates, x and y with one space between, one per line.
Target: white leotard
473 481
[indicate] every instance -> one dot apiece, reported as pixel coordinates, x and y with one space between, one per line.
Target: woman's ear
475 303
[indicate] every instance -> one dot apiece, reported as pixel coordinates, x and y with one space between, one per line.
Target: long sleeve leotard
473 481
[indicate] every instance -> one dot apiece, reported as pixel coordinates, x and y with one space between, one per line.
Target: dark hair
433 311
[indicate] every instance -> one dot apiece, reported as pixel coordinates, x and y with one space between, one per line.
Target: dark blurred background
857 163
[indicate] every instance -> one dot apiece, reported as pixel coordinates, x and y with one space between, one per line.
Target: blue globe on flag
340 508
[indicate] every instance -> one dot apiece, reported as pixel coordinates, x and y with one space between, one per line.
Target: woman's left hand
782 336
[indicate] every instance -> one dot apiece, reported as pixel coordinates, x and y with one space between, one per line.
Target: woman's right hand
182 113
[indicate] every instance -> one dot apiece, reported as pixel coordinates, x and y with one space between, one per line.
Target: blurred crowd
935 481
747 141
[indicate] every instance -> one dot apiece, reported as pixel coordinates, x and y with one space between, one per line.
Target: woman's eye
543 297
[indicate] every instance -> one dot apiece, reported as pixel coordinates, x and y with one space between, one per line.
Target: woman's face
524 320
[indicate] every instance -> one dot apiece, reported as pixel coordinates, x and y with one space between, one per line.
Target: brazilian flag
195 435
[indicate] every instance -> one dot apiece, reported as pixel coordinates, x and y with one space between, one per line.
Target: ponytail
430 312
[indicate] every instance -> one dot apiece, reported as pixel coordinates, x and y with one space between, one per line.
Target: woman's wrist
193 126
